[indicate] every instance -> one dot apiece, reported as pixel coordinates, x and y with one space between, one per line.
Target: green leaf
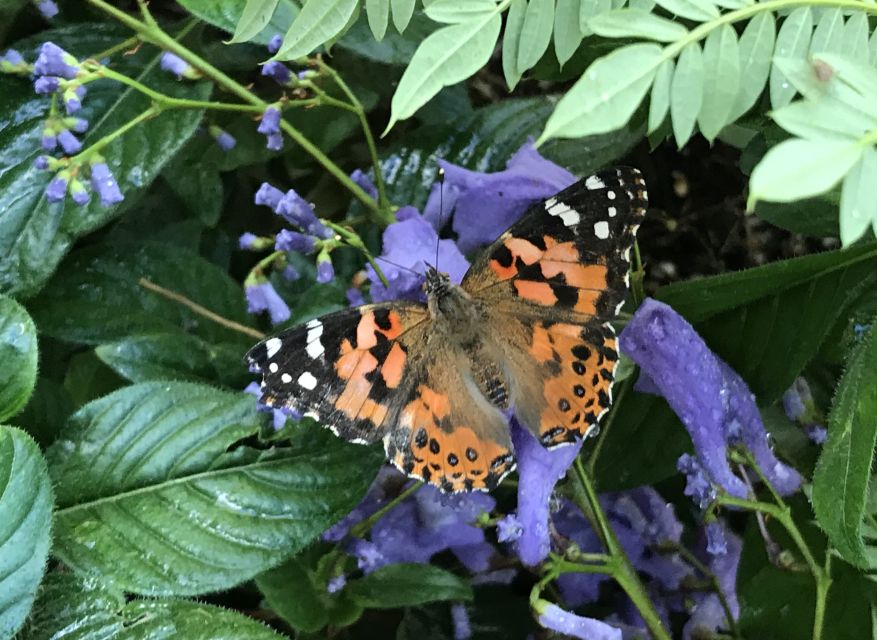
18 355
698 10
97 296
407 585
756 50
510 41
796 169
828 37
634 23
840 482
151 620
721 69
872 47
590 9
255 17
858 200
859 76
686 92
197 182
606 95
318 22
174 356
535 32
855 37
226 14
290 591
394 49
378 13
454 11
793 41
447 56
660 102
567 33
824 119
25 525
35 234
157 493
402 12
813 216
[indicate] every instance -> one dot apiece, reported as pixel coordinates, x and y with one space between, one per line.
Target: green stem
122 46
95 148
356 242
153 34
361 528
622 570
607 424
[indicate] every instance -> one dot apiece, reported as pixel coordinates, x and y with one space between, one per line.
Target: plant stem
360 529
122 46
356 242
621 569
95 148
604 429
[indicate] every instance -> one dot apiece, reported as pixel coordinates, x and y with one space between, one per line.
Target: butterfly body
526 331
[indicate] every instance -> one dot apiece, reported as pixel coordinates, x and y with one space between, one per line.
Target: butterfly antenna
441 178
396 264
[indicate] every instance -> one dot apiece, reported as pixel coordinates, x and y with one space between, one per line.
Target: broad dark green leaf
18 357
174 356
160 619
97 297
290 591
34 234
840 483
226 14
46 412
407 585
194 177
812 216
395 48
157 494
25 525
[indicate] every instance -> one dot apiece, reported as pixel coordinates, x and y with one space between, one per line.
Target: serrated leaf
402 12
18 355
155 495
156 619
590 9
721 68
635 23
454 11
289 590
796 169
535 32
35 234
756 49
25 525
825 119
447 56
254 18
378 13
828 36
840 482
225 14
858 199
686 92
698 10
608 93
97 297
567 33
510 41
855 37
318 22
793 41
660 102
407 585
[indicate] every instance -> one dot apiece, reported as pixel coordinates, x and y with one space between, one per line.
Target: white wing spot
307 380
601 229
610 195
315 347
567 214
550 202
594 182
273 367
612 212
272 346
286 378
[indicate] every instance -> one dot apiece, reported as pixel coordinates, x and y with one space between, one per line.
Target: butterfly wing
550 284
348 370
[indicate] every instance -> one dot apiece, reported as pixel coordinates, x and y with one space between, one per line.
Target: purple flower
78 125
12 61
508 528
460 618
716 542
274 43
48 8
262 296
224 140
294 241
698 486
387 482
57 189
486 204
270 127
72 97
69 142
289 273
539 469
408 246
269 196
248 241
797 399
78 192
553 617
707 615
54 61
336 583
278 416
355 297
48 140
46 84
325 270
104 183
365 183
299 212
41 162
817 433
176 65
712 401
277 71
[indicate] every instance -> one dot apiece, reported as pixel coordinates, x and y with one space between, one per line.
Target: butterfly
527 331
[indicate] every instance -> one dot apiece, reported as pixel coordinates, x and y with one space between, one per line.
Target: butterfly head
437 284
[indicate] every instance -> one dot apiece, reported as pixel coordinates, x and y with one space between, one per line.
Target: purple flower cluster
55 71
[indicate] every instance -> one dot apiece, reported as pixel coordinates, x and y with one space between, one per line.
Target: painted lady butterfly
527 329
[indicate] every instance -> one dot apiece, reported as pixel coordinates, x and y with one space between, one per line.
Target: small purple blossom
174 64
48 8
553 617
72 98
41 162
12 61
355 297
698 486
707 615
269 126
274 43
817 433
79 193
224 140
276 71
45 85
460 618
365 183
48 140
69 142
712 401
294 241
325 270
290 274
278 416
716 542
269 196
262 296
77 125
508 528
248 241
57 189
336 583
104 183
54 61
